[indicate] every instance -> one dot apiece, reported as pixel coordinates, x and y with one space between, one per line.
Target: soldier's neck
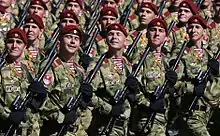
15 60
217 18
156 49
142 27
66 57
173 8
114 54
34 44
198 43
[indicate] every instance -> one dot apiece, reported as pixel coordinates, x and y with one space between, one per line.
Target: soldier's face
107 20
146 15
5 3
206 3
184 14
67 21
15 47
32 31
156 36
176 3
110 3
74 6
116 39
140 1
70 43
195 32
38 10
217 9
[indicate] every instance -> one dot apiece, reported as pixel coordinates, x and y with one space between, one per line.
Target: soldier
38 7
110 79
15 78
34 29
196 59
63 81
68 17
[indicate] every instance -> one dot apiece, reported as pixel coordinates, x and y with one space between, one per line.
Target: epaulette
134 34
132 17
99 38
212 25
187 50
175 28
166 14
56 63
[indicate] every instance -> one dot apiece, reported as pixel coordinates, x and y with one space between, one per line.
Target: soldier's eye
10 41
19 42
71 21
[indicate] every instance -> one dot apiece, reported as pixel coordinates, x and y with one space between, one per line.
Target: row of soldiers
83 68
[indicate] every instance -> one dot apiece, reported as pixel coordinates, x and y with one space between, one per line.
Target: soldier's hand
70 117
158 106
117 109
85 61
171 76
132 83
17 116
199 90
214 65
87 93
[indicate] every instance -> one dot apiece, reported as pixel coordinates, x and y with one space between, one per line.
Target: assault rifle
202 77
72 103
162 6
160 91
126 13
24 13
120 96
54 11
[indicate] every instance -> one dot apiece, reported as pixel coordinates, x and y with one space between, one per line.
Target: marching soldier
63 82
15 78
68 17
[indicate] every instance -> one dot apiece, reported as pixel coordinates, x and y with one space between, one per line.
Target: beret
158 22
39 2
109 11
33 18
189 4
198 20
150 6
69 14
17 33
118 27
72 29
2 9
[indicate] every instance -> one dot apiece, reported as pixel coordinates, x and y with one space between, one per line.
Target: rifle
202 77
73 104
199 3
89 47
95 9
126 13
132 46
160 91
160 10
120 96
2 58
54 11
21 105
24 14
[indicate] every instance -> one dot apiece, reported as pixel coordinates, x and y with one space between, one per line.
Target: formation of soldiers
109 67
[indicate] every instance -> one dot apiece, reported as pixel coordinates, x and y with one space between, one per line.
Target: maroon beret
117 1
69 14
109 11
77 1
158 22
39 2
72 29
189 4
33 18
150 5
17 33
118 27
198 20
2 9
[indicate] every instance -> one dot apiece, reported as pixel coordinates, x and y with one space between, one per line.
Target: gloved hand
158 106
85 61
70 117
132 98
199 90
171 76
214 65
117 109
132 83
87 93
17 116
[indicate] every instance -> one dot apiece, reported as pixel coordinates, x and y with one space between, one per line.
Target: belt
200 108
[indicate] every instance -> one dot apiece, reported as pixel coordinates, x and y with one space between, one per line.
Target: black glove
132 83
171 76
158 106
70 117
38 90
85 61
132 98
17 116
86 90
214 65
117 109
199 89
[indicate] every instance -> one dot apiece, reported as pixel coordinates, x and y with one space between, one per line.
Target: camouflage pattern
107 81
63 82
14 83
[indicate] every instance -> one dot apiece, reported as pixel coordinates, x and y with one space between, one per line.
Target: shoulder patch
134 34
166 14
99 38
56 62
212 25
132 17
175 28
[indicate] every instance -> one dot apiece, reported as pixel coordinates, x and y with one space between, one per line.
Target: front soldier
15 78
110 79
63 82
